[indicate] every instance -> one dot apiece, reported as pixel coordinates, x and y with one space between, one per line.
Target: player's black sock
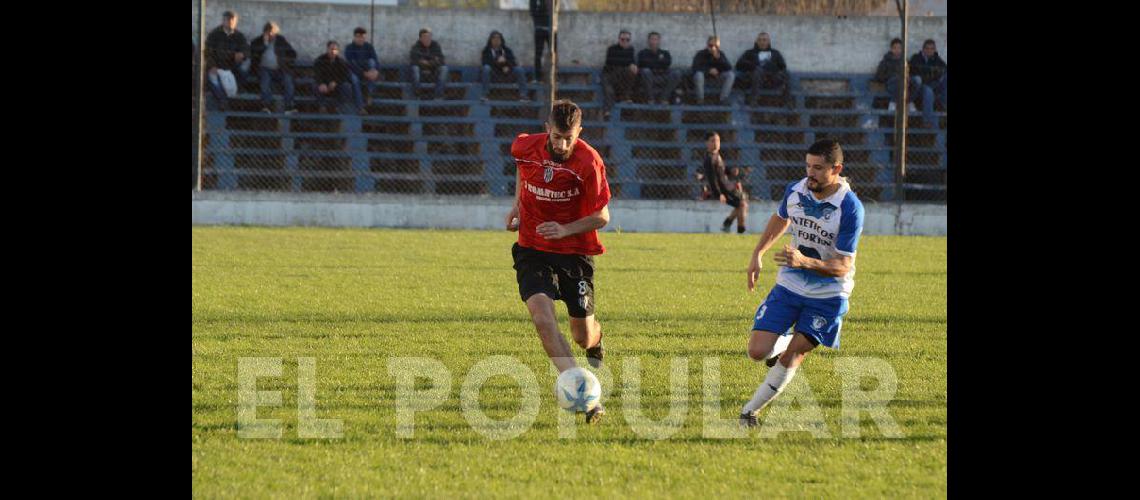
740 229
728 221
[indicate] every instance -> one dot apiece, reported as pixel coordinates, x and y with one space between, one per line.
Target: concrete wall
341 210
809 43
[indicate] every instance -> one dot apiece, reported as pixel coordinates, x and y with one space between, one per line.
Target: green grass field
352 299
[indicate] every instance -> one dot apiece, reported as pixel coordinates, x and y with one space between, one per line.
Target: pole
901 112
201 88
712 14
372 24
553 52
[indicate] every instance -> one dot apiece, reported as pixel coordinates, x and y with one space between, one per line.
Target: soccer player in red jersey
561 200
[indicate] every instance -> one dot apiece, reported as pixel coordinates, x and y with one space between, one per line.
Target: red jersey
558 192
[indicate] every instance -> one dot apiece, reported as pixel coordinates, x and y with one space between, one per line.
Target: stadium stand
408 144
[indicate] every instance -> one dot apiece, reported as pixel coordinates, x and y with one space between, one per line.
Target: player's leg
779 376
538 290
776 314
742 214
541 309
587 332
818 322
762 344
728 220
576 287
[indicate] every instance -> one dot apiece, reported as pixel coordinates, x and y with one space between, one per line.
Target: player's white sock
777 379
780 346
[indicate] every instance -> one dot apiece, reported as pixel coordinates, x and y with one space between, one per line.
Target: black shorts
565 277
732 198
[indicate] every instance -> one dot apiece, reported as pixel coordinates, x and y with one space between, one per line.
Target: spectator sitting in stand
889 72
273 58
498 59
654 63
365 66
932 69
620 72
332 79
764 67
426 57
713 64
226 50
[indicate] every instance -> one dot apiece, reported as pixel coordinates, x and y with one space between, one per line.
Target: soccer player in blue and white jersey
806 306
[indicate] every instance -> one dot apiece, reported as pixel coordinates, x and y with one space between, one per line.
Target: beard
814 185
555 156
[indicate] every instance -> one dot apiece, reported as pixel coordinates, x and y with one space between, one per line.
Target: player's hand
633 69
238 56
713 72
723 199
789 257
754 266
552 230
513 219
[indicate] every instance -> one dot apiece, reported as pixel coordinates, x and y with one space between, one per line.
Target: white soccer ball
577 390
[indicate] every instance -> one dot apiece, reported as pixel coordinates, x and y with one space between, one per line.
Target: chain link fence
299 133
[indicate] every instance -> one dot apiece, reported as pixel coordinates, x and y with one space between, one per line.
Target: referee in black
730 192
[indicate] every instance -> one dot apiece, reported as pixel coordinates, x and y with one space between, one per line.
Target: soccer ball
577 390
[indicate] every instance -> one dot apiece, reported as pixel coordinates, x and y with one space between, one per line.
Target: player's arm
850 228
776 227
594 221
835 267
514 213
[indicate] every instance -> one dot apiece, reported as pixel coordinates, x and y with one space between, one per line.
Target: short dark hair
714 38
565 115
229 14
424 30
929 41
829 149
896 40
709 134
359 31
330 43
653 34
269 26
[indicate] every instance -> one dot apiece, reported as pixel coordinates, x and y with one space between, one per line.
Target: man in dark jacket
364 63
763 66
273 58
332 79
890 71
226 49
713 64
426 57
932 70
498 59
728 191
654 64
540 13
620 72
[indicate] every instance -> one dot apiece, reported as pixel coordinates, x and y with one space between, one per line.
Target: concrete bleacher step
667 135
420 145
785 118
717 117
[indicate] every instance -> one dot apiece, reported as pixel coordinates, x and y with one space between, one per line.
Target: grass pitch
353 299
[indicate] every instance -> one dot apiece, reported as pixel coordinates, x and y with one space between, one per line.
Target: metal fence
407 139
